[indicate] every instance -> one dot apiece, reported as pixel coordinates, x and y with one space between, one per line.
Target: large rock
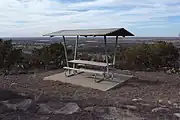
4 109
20 105
69 108
130 107
112 113
161 109
44 109
169 72
137 99
177 115
10 95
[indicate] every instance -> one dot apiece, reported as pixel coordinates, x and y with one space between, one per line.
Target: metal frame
65 51
75 50
105 47
106 75
115 49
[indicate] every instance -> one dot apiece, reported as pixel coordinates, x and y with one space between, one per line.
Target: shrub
50 55
8 55
153 56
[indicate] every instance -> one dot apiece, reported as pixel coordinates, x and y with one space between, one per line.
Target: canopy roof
92 32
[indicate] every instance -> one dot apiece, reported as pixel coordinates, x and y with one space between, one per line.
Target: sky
33 18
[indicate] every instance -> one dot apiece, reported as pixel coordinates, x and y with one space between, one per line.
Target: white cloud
36 17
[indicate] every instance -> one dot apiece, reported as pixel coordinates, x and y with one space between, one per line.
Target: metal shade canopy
92 32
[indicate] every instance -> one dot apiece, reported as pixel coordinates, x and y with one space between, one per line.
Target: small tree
154 56
8 54
53 54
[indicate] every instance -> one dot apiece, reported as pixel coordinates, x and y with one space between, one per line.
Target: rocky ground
151 95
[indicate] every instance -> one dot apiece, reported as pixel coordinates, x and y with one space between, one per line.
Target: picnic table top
86 62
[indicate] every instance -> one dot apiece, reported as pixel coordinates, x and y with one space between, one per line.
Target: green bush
153 56
50 55
8 55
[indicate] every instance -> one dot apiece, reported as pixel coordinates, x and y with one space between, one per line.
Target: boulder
160 101
137 99
161 109
169 72
144 104
89 109
10 95
22 105
130 107
69 108
4 109
44 109
177 115
112 113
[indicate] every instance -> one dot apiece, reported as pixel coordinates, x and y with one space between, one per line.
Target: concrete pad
85 80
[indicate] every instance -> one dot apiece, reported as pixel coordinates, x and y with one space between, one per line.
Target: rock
13 85
137 99
112 113
148 69
144 104
69 108
22 105
4 109
160 101
9 95
169 102
44 118
161 109
130 107
177 115
173 70
44 109
9 106
176 105
164 68
168 72
89 109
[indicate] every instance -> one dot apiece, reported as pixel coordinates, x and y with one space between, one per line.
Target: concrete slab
85 80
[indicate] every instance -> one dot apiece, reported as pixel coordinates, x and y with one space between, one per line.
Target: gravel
150 87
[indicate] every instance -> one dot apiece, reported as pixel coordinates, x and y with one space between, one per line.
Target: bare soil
150 86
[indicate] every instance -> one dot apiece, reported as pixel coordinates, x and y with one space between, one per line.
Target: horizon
144 18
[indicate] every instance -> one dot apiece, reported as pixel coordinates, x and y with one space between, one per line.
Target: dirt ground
151 87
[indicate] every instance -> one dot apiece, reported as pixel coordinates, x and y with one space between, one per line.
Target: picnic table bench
92 71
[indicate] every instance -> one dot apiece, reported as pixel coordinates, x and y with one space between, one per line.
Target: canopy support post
105 45
75 50
65 51
115 50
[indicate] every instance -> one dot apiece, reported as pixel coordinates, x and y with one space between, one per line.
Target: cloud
37 17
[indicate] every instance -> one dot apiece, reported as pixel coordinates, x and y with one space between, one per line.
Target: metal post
65 51
75 50
105 45
115 49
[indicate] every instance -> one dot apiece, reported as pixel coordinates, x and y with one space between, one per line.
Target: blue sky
38 17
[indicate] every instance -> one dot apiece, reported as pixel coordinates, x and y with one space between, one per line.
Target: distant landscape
98 39
28 43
